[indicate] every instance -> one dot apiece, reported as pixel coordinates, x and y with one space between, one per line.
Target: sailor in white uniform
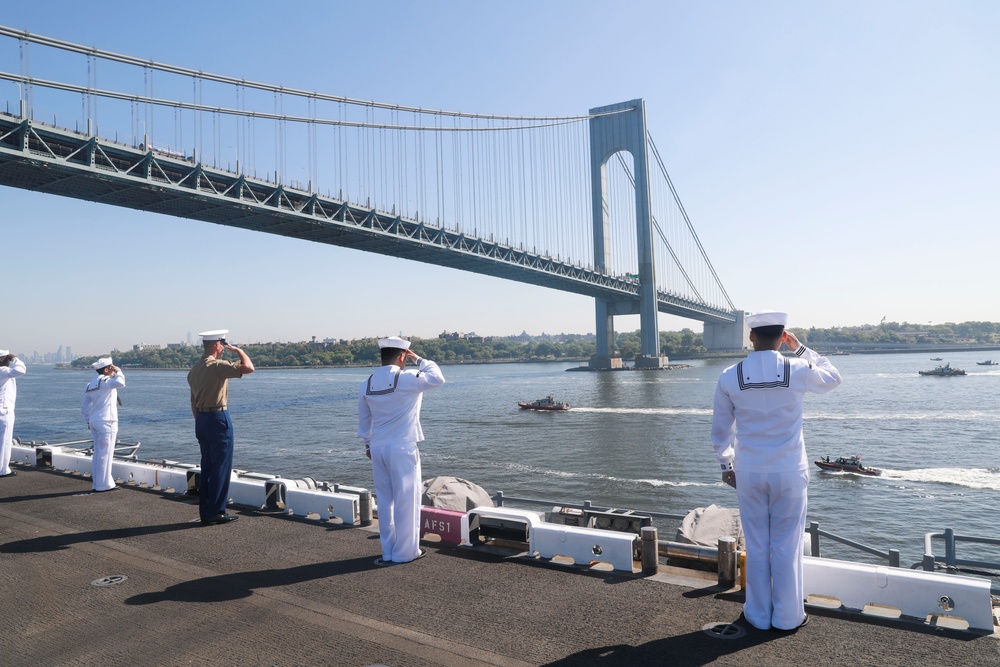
10 368
757 436
100 412
389 423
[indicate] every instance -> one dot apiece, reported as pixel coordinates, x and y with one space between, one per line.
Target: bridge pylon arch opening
613 129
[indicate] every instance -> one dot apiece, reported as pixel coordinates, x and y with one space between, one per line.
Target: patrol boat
847 464
546 404
944 371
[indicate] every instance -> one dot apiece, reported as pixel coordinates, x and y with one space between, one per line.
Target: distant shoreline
839 351
67 367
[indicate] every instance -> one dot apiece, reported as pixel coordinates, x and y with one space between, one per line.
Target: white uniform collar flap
763 371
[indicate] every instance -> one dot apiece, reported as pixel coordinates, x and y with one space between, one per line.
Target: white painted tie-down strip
71 461
23 454
246 491
914 593
327 504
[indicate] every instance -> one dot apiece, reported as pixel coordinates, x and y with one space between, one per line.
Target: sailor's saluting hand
791 341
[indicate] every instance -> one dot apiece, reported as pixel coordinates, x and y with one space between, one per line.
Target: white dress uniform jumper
757 428
389 423
100 411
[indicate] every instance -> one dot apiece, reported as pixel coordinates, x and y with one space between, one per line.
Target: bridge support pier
659 361
598 363
604 358
728 337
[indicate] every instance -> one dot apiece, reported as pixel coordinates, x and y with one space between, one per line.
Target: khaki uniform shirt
209 382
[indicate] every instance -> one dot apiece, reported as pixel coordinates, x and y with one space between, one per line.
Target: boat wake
648 411
949 416
970 478
523 470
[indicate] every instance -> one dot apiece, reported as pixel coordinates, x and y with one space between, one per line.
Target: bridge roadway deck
274 590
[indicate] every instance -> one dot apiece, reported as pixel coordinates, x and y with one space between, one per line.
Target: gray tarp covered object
705 525
454 493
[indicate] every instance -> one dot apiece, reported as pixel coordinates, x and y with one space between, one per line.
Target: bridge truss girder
43 158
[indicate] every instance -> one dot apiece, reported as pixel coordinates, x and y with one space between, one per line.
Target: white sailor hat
103 362
767 318
217 334
4 353
394 342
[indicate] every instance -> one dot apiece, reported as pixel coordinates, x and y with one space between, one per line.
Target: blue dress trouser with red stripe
214 431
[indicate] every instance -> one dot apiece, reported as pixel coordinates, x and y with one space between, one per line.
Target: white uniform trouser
396 473
105 434
6 441
773 513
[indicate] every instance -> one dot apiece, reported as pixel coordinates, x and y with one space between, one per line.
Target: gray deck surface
275 590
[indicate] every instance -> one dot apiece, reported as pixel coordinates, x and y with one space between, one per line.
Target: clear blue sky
839 160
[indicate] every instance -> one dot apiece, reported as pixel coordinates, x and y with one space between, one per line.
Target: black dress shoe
800 625
12 473
221 518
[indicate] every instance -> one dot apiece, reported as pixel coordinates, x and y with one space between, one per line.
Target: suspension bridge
582 204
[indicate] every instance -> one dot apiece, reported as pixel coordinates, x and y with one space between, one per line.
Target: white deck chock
302 501
923 595
585 545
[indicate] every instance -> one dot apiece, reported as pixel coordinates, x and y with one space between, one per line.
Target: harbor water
632 440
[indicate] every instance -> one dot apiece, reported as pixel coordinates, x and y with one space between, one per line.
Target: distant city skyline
60 356
837 160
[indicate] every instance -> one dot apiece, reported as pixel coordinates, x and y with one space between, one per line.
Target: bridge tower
610 133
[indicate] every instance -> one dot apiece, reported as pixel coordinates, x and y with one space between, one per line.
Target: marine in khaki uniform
209 383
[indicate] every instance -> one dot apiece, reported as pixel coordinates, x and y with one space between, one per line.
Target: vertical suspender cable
438 173
523 192
558 204
529 241
150 111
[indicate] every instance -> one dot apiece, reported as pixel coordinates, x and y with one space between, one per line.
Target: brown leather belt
212 409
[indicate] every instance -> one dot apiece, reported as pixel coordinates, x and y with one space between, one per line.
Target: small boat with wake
988 362
944 371
547 404
847 464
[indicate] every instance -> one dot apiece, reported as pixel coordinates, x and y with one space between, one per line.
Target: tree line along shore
453 349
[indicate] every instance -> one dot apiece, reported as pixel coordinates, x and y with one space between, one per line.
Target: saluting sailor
389 423
209 383
100 411
757 436
10 368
